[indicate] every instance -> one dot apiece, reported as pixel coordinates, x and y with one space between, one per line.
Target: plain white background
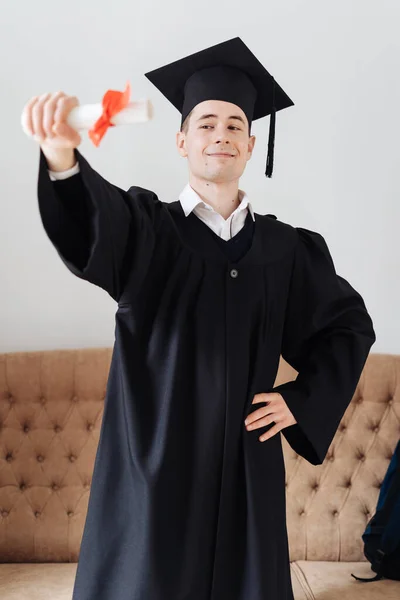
336 152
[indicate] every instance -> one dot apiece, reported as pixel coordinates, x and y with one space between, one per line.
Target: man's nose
221 139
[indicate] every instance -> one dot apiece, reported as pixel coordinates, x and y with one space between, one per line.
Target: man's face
207 136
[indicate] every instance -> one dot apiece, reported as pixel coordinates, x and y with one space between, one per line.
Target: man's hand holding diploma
54 120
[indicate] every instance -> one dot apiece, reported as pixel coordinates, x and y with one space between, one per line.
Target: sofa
51 407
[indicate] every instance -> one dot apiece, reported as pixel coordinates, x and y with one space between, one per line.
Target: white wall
336 151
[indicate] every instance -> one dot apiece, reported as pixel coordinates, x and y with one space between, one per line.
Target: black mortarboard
228 71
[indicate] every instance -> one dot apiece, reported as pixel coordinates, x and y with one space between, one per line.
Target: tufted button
315 486
4 513
40 458
390 401
302 512
11 399
42 400
234 273
331 457
360 399
348 483
37 513
376 429
362 458
22 487
55 487
86 485
26 428
9 457
75 399
342 428
72 458
335 513
89 427
70 513
57 428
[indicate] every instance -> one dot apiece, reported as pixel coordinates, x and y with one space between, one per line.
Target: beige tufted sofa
51 406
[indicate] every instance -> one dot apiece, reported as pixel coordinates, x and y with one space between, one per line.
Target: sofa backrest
329 505
51 407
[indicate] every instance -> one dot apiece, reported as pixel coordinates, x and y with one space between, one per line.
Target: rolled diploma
85 116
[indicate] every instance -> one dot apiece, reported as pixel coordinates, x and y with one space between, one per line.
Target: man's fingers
27 115
37 116
65 131
49 110
271 432
264 421
258 414
64 107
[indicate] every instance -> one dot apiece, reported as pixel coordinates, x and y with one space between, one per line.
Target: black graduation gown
185 503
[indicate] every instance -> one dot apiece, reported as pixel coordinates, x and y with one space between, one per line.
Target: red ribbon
113 102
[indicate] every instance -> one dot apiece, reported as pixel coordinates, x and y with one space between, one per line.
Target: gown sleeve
101 232
327 336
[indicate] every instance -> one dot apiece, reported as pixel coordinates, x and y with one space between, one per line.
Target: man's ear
251 143
181 143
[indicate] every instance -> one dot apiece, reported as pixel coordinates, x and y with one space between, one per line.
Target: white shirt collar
190 200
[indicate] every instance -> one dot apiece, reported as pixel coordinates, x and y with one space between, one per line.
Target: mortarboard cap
228 71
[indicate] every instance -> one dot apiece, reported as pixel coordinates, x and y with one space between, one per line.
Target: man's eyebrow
208 116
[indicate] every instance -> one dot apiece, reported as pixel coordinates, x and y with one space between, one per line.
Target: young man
187 502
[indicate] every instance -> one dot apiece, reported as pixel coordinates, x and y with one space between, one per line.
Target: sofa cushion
311 580
330 580
37 581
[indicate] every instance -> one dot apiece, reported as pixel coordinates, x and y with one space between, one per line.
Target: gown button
234 273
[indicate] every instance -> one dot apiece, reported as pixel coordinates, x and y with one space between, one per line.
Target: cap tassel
271 139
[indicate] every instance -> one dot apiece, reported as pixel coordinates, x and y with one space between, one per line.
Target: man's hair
185 124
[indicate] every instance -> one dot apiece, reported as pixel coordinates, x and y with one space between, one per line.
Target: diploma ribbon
113 102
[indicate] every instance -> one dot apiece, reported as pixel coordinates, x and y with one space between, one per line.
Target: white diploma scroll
85 116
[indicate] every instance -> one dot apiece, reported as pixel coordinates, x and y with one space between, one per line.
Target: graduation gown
185 503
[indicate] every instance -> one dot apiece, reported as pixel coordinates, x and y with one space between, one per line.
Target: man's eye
238 128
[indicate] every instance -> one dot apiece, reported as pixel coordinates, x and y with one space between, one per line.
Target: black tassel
271 139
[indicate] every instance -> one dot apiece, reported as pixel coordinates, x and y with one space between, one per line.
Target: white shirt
191 201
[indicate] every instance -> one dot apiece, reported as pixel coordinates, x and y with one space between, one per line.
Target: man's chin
220 173
218 178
